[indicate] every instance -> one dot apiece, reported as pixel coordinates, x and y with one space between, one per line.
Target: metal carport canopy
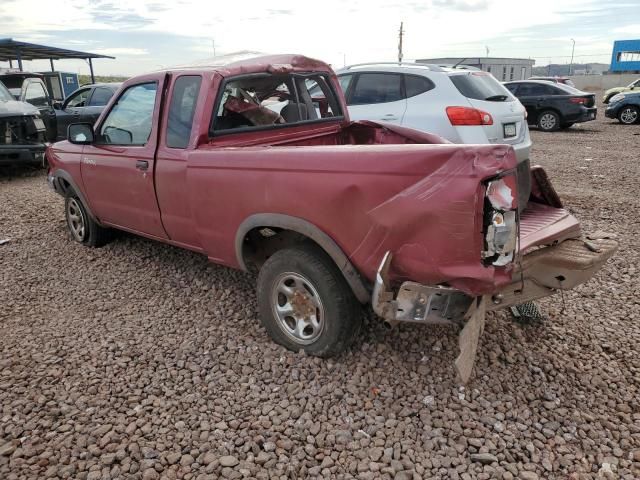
11 49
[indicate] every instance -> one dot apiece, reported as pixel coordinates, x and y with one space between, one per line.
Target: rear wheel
305 302
82 227
548 121
629 114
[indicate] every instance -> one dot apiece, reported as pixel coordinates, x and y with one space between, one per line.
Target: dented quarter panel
423 202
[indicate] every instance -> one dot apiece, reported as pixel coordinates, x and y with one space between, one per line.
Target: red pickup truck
256 165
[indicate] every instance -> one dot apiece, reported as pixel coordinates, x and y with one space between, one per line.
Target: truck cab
30 88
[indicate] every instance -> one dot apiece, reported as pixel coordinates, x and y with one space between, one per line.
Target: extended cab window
130 120
183 105
259 101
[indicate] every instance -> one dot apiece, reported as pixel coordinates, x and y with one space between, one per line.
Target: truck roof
239 64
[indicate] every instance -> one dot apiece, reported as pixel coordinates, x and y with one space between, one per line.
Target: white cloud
360 30
632 29
122 51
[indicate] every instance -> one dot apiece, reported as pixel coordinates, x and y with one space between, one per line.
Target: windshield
5 95
480 86
634 84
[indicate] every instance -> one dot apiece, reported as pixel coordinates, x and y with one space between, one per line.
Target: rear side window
373 88
533 89
345 81
100 97
274 100
480 86
513 87
36 95
415 85
181 110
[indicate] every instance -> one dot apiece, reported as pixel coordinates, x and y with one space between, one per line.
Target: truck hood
14 108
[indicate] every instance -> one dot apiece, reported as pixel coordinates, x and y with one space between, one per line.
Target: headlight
617 98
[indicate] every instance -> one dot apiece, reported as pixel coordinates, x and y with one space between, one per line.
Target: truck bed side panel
423 202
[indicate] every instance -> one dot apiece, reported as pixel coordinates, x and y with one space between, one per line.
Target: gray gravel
140 360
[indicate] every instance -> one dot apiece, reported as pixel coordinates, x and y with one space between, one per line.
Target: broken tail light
501 220
459 116
502 193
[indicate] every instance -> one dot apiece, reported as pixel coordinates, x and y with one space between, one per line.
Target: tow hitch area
432 305
540 273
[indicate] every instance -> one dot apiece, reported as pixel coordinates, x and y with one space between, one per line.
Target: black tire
82 227
312 277
549 121
566 125
629 114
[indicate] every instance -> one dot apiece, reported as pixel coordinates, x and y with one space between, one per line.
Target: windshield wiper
496 98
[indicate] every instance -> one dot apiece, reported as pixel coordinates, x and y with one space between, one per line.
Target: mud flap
469 338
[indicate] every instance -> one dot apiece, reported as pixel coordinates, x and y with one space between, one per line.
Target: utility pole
572 50
401 33
486 47
213 44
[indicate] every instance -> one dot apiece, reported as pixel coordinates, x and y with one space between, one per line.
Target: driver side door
71 111
118 168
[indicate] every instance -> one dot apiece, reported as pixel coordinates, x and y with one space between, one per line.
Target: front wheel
549 121
629 115
82 227
305 302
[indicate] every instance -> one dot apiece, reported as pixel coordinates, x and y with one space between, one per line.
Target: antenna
400 35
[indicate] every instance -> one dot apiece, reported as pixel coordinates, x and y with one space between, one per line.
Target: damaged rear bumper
540 273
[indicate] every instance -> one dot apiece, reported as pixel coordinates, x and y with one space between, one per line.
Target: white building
504 69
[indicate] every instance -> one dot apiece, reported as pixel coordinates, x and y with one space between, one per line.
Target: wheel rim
629 115
548 121
75 219
298 308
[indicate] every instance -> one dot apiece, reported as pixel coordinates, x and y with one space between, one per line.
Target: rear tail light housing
578 100
459 116
501 220
502 193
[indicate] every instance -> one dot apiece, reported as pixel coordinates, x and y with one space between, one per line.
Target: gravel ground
139 360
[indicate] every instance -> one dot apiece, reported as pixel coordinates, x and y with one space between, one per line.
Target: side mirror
57 104
80 133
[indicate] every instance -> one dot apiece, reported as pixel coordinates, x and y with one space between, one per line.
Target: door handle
142 165
389 116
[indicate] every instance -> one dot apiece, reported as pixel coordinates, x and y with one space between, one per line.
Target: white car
461 105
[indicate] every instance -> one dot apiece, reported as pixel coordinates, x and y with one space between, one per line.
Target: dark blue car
625 107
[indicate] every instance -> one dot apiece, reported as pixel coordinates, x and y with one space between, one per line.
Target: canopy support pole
93 78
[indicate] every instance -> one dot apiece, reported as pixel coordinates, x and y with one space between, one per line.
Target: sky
151 35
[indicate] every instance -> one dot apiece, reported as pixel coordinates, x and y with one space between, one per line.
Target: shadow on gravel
9 172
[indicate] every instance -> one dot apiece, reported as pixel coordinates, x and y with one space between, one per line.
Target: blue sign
626 56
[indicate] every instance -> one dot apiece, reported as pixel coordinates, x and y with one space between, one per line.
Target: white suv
461 105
